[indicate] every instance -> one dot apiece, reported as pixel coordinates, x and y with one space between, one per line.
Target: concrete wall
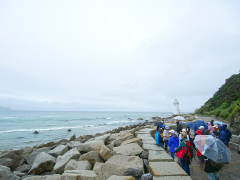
235 142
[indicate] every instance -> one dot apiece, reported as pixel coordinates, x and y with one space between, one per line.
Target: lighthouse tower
176 107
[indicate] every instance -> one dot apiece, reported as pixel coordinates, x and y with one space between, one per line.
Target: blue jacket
173 142
157 136
228 132
222 135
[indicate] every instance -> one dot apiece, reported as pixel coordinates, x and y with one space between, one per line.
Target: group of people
178 139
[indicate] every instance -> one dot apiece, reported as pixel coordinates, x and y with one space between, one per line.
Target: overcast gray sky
116 55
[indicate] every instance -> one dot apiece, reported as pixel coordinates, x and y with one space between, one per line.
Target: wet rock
24 168
59 150
144 155
69 130
49 144
19 174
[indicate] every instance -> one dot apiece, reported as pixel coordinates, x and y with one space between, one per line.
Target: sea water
17 127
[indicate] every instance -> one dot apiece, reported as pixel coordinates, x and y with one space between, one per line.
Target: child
173 143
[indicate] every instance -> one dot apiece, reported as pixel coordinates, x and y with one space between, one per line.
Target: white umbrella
179 118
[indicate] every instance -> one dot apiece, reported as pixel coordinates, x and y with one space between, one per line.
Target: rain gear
158 138
179 127
181 145
228 132
222 135
210 128
173 142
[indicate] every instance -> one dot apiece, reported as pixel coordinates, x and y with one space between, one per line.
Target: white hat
172 131
201 127
184 130
166 127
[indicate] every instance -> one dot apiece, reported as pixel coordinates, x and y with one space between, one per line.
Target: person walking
166 137
173 143
185 165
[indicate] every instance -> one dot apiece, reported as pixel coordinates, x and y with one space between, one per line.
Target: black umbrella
159 123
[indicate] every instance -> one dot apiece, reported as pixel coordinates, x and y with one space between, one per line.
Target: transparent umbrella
179 118
213 148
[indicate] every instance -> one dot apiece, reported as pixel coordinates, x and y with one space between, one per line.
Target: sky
116 55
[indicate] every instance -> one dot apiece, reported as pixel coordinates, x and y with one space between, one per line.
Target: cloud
105 55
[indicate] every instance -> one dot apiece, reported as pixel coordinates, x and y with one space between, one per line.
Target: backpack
216 165
188 153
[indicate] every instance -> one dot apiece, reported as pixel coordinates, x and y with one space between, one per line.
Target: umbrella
158 123
218 122
191 125
179 118
201 123
213 148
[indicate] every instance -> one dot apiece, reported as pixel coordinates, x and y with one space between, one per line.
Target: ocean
17 127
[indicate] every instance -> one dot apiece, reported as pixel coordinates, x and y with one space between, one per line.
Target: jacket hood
198 132
224 126
220 128
177 122
174 136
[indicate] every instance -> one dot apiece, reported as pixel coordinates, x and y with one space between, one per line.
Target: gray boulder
6 174
59 150
72 138
133 140
133 172
45 177
92 157
106 153
31 157
97 167
73 144
147 176
78 165
79 174
24 168
91 146
64 159
128 150
123 137
114 177
43 162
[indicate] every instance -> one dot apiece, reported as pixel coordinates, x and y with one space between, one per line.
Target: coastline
95 149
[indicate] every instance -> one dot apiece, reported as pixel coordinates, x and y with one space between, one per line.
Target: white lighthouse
176 107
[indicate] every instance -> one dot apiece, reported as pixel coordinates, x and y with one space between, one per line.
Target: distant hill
225 103
5 109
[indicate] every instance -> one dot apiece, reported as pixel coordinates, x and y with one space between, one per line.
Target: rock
69 130
146 165
19 174
24 168
144 155
128 149
64 159
36 132
114 177
59 150
113 137
103 138
6 174
147 176
122 137
235 139
97 167
133 172
90 146
62 142
117 164
140 119
6 162
78 165
43 162
92 157
84 138
72 138
234 146
73 144
31 157
133 140
106 153
79 175
166 169
111 145
49 144
46 177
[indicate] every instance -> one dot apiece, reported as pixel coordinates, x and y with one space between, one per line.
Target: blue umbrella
201 123
191 125
218 122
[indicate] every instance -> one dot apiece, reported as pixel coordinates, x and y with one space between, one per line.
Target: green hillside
226 101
